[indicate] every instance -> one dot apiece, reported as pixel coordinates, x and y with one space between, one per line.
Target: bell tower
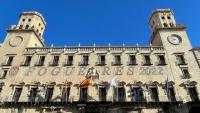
27 33
32 21
166 32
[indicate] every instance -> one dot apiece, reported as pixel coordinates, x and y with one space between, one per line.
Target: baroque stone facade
160 78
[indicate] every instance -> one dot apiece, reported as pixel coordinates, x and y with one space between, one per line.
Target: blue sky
70 22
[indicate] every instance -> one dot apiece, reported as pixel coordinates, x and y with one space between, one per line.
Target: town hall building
163 77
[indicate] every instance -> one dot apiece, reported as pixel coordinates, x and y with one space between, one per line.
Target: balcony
116 63
39 64
131 63
147 63
185 76
25 64
53 64
100 63
6 64
83 63
68 63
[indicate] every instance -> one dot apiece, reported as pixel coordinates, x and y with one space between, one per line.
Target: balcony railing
94 48
100 63
68 63
83 63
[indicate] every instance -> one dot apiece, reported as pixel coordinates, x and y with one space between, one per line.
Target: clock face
15 41
174 39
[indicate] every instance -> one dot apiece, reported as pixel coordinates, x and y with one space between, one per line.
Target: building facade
160 78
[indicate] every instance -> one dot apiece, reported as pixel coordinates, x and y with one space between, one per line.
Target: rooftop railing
92 48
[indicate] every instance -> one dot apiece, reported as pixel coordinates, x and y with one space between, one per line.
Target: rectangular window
154 94
186 74
9 61
119 94
161 60
137 94
193 94
27 61
33 94
69 61
65 95
17 94
85 60
41 60
49 94
181 60
55 61
117 60
83 94
102 60
132 60
147 60
3 74
102 94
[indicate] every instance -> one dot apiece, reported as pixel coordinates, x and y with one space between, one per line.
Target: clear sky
70 22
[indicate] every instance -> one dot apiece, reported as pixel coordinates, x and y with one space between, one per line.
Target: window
165 25
161 60
17 94
102 94
27 26
83 94
49 94
65 95
186 74
168 17
147 60
102 60
9 60
137 94
117 60
85 59
154 94
171 25
3 74
55 61
27 61
37 31
69 60
29 19
193 94
119 94
132 60
180 60
33 94
23 19
163 17
41 61
21 26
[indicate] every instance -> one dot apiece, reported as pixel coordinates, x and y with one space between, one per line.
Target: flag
114 82
167 86
65 86
87 82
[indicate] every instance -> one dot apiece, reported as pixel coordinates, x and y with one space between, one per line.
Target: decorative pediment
154 83
188 83
18 84
103 83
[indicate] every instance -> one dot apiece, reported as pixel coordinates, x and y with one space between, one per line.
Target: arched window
27 26
165 25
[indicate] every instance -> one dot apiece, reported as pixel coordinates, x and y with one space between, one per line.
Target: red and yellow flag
87 82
